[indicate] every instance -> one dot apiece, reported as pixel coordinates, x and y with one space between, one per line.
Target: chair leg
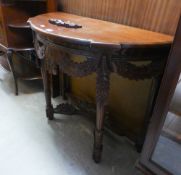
10 61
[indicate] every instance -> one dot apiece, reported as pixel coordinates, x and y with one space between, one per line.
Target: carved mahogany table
108 48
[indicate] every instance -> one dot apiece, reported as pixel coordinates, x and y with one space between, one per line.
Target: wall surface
128 99
156 15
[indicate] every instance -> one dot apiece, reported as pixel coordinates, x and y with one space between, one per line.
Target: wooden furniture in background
51 5
15 32
166 92
108 48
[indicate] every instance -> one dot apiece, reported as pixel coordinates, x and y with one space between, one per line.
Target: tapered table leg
102 92
10 61
47 89
98 134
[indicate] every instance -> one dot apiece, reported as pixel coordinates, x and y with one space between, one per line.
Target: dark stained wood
108 51
52 5
166 92
10 61
15 32
19 12
19 25
47 88
155 15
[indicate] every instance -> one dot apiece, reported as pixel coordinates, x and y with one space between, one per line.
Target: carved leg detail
102 89
47 89
10 61
98 135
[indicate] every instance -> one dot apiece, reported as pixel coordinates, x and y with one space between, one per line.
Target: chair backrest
156 15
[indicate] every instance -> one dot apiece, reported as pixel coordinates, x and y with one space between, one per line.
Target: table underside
102 60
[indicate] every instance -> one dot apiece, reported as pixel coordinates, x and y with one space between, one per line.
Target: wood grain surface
156 15
96 31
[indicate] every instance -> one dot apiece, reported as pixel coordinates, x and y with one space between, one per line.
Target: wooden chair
16 35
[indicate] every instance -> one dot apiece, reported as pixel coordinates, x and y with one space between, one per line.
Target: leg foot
49 113
98 147
97 155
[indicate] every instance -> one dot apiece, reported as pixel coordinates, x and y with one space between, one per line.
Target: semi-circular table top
95 31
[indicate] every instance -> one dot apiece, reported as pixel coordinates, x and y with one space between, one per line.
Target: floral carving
103 81
40 48
134 72
103 65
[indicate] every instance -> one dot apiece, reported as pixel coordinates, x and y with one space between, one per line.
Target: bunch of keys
62 23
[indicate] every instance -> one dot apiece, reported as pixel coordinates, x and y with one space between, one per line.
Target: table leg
98 134
10 61
47 89
102 92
